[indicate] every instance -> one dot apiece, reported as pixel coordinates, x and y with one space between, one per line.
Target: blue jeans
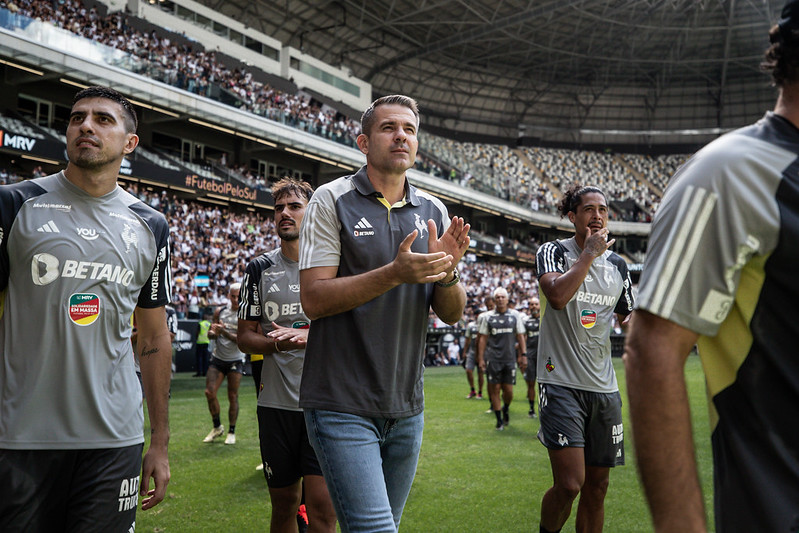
368 465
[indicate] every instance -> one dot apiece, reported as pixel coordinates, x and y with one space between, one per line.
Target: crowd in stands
530 177
210 241
188 66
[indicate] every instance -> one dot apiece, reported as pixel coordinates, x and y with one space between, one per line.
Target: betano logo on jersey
84 309
46 268
275 310
588 318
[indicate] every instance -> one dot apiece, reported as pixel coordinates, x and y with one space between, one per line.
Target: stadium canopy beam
725 63
472 35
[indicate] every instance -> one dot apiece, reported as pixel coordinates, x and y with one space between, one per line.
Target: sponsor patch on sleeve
716 307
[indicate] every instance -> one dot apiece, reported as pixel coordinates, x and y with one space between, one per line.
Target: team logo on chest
420 224
130 238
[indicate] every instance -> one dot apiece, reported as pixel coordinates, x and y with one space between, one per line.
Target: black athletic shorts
530 371
69 490
227 366
285 450
582 419
501 372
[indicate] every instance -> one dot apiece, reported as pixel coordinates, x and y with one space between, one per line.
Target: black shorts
530 371
70 490
501 372
285 450
227 366
582 419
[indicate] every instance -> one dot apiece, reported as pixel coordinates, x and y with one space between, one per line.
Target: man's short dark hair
289 185
131 121
367 119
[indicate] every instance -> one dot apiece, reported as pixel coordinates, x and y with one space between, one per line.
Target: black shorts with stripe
582 419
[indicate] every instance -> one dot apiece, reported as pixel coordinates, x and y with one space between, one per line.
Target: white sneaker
216 432
260 467
230 439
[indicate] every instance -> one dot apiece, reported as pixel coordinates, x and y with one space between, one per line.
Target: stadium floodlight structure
636 72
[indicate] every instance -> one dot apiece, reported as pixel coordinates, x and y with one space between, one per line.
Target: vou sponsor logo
88 233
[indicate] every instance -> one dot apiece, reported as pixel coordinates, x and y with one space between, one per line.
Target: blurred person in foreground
721 270
375 255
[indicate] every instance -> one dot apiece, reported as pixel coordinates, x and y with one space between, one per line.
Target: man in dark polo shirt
375 255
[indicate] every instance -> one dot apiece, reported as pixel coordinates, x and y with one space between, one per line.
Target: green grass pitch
470 477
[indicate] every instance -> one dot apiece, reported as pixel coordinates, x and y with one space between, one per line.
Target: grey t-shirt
73 268
224 348
270 292
722 261
574 342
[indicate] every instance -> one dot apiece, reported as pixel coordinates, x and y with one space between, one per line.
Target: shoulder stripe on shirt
697 204
548 257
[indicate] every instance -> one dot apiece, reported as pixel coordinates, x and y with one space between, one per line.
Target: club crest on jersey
588 318
130 238
84 308
549 366
420 224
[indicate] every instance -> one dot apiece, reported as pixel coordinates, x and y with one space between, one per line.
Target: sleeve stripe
549 263
308 235
696 205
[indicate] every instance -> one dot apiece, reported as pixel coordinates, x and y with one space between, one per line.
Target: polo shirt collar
365 187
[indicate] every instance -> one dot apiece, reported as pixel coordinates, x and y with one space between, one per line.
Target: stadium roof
629 71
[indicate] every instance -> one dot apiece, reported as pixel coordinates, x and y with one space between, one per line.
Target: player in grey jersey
78 257
721 272
227 361
582 284
272 322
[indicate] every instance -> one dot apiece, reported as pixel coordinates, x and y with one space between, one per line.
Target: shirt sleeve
625 304
249 297
549 258
718 212
157 291
320 242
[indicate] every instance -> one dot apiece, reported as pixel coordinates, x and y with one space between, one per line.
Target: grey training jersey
73 268
224 348
270 292
500 330
723 261
574 342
